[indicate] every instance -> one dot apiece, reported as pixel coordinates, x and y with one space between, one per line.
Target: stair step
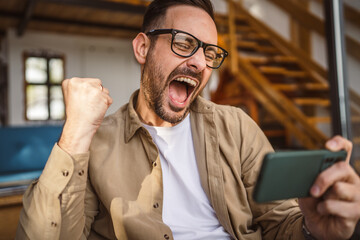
312 101
257 36
276 59
304 86
246 44
243 29
315 120
275 133
284 59
257 59
282 71
254 46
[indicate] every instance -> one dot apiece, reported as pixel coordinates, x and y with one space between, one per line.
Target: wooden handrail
282 102
273 100
319 74
272 107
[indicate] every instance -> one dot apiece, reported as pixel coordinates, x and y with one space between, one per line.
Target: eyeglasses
185 45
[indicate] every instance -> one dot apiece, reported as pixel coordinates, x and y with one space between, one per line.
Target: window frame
48 56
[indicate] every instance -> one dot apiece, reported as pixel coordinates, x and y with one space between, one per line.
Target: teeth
187 80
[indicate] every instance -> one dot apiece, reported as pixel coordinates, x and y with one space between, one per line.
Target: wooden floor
10 207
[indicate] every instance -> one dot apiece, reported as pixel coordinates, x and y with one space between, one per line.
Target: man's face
169 82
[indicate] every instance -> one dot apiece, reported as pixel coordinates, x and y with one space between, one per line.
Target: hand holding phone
285 175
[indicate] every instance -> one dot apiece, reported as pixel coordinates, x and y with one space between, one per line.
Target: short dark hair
156 11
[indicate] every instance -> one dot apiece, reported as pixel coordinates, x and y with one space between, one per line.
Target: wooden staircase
279 85
288 91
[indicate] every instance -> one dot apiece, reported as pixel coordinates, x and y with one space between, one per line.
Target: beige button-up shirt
115 191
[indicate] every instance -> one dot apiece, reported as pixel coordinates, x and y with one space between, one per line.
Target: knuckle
64 83
337 188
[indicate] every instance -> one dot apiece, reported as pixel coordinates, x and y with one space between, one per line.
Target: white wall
111 60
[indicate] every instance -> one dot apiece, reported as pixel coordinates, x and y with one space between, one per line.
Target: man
170 164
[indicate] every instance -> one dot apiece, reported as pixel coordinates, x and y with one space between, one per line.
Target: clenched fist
86 102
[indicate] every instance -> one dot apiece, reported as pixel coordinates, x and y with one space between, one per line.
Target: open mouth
180 89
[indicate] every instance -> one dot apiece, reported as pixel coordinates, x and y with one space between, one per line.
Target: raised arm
61 204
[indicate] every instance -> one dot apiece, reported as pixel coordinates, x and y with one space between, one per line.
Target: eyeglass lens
185 45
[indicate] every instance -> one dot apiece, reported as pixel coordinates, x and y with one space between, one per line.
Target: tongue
178 91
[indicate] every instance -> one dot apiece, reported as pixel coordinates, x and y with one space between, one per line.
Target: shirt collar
133 123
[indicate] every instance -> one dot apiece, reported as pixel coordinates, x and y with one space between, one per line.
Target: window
43 95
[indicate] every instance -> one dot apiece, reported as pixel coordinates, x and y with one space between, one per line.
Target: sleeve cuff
62 170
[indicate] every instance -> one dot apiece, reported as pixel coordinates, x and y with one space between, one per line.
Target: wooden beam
274 109
7 14
104 5
29 9
282 101
85 23
42 19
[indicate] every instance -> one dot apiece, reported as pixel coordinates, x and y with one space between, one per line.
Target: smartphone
286 175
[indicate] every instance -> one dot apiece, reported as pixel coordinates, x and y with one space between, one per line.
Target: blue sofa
24 152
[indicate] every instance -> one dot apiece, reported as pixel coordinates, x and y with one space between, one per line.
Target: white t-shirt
186 208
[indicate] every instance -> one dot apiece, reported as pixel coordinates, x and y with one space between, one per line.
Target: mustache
185 72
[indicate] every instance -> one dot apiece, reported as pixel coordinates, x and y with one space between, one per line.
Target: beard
155 85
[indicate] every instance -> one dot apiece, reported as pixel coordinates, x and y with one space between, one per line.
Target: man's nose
197 62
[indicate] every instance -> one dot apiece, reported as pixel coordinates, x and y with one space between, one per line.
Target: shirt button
81 172
53 224
156 205
65 173
166 236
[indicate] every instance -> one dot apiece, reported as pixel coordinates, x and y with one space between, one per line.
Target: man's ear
141 45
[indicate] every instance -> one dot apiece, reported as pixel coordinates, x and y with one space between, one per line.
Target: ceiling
110 18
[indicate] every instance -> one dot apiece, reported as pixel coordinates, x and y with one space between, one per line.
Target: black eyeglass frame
199 45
